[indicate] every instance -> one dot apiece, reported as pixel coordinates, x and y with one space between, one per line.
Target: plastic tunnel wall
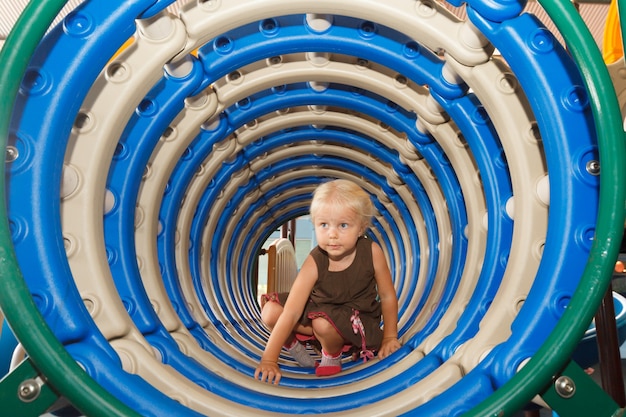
140 186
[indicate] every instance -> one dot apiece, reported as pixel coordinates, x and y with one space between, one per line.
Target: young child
343 287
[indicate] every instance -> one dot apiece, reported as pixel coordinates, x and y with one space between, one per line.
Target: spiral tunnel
179 141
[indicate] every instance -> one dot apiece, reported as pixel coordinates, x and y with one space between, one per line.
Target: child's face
337 229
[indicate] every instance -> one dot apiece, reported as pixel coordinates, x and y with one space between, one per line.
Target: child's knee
322 326
270 313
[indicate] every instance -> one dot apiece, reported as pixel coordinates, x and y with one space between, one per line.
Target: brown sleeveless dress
345 298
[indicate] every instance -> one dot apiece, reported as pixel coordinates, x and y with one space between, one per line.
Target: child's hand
268 371
388 346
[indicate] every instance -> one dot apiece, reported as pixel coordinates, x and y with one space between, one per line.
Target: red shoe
327 370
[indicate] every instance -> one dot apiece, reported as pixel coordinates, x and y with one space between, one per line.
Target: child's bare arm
294 306
389 303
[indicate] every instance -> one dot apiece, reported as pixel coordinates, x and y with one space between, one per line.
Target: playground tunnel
151 154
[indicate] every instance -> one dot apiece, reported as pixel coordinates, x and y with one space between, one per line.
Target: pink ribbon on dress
357 327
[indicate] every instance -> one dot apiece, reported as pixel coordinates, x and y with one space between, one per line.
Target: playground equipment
586 353
141 185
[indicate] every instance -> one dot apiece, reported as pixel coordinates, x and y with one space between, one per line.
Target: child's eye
344 225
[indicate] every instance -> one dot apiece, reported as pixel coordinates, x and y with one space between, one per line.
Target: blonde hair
347 194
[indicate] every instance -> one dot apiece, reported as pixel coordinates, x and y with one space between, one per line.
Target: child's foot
330 365
300 354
